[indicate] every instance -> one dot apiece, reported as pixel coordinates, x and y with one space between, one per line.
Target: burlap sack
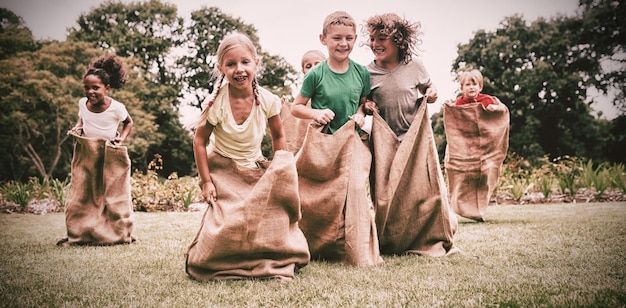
336 218
295 128
99 207
252 230
413 214
478 141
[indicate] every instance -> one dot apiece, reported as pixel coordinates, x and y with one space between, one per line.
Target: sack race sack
99 209
294 128
478 142
332 176
252 230
413 214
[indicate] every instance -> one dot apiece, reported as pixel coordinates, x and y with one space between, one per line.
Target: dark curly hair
110 70
405 34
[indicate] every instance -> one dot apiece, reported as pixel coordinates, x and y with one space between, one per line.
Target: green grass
550 255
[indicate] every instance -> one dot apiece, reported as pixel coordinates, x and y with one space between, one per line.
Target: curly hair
405 34
110 69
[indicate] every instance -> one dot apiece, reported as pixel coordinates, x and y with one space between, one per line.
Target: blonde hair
338 18
229 42
403 33
313 52
473 75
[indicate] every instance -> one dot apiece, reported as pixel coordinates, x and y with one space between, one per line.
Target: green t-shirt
338 92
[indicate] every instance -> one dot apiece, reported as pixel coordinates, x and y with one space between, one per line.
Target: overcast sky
289 28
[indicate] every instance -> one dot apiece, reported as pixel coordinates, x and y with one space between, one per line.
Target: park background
550 62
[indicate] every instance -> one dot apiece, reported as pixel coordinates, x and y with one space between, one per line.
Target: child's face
339 40
470 88
239 67
94 89
383 48
309 61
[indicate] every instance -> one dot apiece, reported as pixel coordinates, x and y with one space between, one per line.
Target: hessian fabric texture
99 209
336 217
252 230
413 214
478 141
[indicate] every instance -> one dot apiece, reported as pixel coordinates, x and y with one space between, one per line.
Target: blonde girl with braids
237 112
250 228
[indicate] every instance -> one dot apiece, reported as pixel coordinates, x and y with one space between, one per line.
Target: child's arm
79 124
126 129
498 106
300 110
277 132
200 142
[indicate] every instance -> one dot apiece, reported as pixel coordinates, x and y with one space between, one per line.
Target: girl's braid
216 90
255 90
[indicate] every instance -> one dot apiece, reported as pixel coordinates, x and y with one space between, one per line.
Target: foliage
15 37
151 193
540 87
617 177
58 190
17 192
142 30
209 25
600 29
38 108
543 73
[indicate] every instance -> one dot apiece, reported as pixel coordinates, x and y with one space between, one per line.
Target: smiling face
239 66
95 90
339 39
385 51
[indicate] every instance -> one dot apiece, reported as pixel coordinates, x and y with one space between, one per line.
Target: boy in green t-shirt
337 87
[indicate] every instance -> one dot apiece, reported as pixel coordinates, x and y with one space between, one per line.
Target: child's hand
209 193
369 107
431 94
495 107
359 119
323 116
117 141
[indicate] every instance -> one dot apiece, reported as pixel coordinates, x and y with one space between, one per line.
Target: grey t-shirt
396 92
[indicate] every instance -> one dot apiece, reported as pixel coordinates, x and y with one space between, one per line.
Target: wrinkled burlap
336 218
413 214
251 231
295 128
478 141
99 209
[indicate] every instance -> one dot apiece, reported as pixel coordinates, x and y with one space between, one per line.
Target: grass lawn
552 255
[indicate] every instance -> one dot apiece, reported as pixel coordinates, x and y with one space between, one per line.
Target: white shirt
103 124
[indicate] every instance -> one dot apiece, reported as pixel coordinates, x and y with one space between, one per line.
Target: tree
14 35
600 28
207 29
39 106
542 73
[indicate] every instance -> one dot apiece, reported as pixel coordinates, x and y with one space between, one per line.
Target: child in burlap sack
477 135
413 214
250 228
99 207
333 163
295 128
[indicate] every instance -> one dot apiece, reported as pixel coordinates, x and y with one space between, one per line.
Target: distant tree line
542 71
